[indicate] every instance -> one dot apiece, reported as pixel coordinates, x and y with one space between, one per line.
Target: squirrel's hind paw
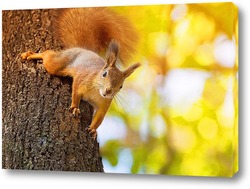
25 56
75 111
92 132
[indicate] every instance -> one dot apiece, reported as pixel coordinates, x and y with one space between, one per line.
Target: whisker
122 101
118 101
121 94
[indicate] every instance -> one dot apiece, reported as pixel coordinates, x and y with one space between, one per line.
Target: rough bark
38 131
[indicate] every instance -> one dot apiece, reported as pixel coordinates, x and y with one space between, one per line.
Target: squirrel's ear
130 70
112 53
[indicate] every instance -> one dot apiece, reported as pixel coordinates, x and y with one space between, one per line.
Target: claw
25 56
75 111
92 132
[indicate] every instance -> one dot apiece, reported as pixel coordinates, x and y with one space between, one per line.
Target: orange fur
94 28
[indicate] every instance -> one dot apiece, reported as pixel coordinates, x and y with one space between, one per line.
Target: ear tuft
112 53
131 69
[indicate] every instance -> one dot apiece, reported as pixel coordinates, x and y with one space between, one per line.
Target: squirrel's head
110 78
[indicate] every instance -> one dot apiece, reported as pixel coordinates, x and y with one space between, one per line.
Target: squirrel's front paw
75 111
25 56
92 132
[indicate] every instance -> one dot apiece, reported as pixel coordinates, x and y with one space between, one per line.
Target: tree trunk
39 132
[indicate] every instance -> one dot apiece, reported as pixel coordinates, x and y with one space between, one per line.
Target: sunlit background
178 113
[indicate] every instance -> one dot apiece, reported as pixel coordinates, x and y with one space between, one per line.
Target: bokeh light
178 113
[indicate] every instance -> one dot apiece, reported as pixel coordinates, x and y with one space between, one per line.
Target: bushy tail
94 28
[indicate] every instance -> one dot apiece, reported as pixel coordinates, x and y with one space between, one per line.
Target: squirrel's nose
108 91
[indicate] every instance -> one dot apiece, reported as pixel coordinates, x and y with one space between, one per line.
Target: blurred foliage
180 109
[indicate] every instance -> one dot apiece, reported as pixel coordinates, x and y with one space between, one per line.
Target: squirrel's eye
120 86
104 74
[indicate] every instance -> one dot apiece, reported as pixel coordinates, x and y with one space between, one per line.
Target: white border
45 179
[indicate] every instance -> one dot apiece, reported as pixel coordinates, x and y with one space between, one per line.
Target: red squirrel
87 32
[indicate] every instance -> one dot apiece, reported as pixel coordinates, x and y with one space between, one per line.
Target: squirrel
86 34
